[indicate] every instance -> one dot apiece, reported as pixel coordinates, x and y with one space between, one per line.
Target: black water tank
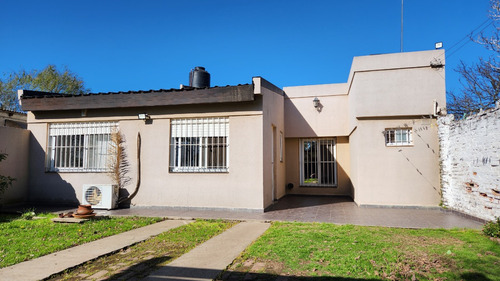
199 78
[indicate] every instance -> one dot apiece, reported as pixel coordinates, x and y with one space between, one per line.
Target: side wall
15 143
399 175
470 163
395 91
273 129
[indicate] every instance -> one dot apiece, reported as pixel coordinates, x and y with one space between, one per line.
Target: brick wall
470 163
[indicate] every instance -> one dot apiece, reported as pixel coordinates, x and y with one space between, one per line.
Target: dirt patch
252 270
425 241
415 260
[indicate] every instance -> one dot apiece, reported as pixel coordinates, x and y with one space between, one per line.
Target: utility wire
473 33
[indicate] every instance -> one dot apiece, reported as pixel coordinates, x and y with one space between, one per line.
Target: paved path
338 210
331 209
207 260
48 265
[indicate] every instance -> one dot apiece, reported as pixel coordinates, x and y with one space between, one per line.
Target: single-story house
373 138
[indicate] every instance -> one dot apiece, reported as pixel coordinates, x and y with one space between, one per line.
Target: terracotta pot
84 210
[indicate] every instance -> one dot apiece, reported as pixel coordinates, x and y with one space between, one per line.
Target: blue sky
140 45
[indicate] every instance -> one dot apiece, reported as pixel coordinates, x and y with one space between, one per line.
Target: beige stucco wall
15 143
240 188
400 176
302 119
383 91
401 84
391 91
47 187
401 92
273 128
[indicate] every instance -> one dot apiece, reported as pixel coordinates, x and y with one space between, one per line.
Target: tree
480 81
48 80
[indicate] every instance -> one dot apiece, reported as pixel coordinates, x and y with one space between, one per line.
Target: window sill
75 172
318 186
399 145
199 171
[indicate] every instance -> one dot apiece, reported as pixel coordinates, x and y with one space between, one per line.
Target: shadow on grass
8 217
154 271
139 270
474 276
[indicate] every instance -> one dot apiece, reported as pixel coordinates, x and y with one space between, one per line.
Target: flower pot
84 210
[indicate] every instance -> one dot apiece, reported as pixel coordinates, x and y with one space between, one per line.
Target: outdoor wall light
144 116
316 102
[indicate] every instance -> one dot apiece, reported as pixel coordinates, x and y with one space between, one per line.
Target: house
9 118
242 147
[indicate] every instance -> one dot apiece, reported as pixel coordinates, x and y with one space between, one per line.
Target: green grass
22 239
141 259
320 249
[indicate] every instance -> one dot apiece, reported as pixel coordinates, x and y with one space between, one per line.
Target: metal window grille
319 165
199 145
398 137
79 147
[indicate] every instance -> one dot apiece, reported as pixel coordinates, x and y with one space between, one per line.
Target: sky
140 45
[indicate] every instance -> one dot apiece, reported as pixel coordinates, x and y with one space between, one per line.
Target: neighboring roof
10 118
44 101
11 112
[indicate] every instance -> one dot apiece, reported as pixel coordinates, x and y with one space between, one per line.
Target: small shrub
28 215
492 228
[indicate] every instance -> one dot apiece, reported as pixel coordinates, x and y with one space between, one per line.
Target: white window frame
79 147
199 145
315 164
398 137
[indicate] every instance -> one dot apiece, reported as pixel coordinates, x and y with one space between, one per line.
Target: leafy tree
48 79
480 81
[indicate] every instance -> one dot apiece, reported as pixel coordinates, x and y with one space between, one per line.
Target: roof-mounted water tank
199 78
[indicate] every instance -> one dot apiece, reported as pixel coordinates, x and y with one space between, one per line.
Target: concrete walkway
209 259
338 210
48 265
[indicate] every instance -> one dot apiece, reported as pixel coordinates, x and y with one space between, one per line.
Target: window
398 137
79 147
199 145
318 165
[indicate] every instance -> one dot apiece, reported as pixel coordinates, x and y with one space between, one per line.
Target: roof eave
50 101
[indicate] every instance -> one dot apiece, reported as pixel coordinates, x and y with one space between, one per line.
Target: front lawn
341 252
22 239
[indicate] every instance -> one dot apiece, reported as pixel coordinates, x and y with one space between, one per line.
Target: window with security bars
398 137
199 145
318 164
79 147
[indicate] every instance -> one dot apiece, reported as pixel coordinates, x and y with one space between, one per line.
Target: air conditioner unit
100 196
